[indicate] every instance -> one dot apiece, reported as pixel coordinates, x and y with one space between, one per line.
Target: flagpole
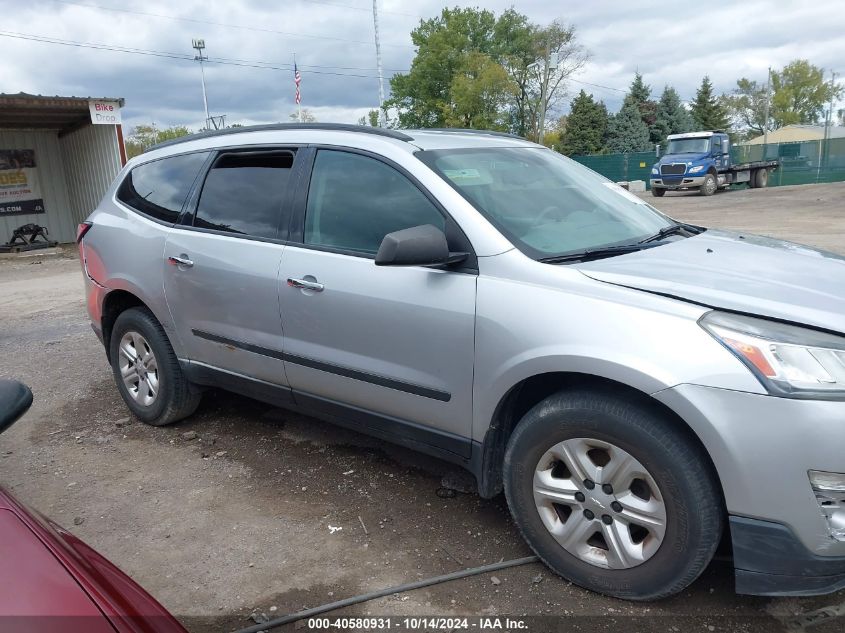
298 105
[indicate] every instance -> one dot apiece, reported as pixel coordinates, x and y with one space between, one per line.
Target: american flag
297 79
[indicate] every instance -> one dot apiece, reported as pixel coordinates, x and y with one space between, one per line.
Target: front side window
159 188
355 200
545 204
244 193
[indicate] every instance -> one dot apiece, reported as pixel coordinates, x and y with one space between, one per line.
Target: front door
222 267
397 342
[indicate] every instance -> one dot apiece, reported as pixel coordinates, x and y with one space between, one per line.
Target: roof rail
273 127
464 130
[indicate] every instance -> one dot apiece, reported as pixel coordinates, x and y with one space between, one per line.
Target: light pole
199 45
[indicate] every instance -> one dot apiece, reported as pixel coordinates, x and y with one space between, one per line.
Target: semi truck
702 160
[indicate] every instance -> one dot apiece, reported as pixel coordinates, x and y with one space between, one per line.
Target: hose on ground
380 593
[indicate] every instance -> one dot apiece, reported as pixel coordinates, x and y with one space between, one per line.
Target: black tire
658 192
762 179
692 499
752 179
710 185
175 399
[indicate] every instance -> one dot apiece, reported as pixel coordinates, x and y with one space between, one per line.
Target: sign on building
104 112
20 193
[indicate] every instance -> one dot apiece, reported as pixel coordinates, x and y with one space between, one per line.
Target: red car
51 581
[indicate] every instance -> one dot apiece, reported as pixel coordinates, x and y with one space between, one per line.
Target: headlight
790 361
696 169
654 171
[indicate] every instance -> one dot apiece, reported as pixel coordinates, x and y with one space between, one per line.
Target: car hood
743 273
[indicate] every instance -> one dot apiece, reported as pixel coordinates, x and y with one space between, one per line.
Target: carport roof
26 111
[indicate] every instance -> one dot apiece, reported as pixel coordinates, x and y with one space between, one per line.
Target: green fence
617 167
800 163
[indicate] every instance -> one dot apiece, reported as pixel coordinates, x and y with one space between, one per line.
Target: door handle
180 261
304 284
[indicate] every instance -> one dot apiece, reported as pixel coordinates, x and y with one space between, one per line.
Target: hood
744 273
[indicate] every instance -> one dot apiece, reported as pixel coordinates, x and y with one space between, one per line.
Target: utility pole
829 118
543 89
199 45
768 98
381 117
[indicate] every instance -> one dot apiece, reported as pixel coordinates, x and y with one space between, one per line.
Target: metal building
58 155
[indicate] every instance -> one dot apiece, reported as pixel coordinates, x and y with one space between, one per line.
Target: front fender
644 341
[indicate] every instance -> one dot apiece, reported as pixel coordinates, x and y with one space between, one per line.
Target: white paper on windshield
467 176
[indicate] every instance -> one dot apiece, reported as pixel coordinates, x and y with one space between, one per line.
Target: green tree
480 90
800 94
627 132
671 116
554 132
422 96
586 126
747 107
307 116
445 47
142 137
640 94
370 119
708 112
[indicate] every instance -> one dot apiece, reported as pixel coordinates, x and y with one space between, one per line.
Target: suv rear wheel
146 371
611 496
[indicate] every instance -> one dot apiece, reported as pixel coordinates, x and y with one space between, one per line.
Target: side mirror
424 245
15 400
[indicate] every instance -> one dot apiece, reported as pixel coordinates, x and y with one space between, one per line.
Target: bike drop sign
20 193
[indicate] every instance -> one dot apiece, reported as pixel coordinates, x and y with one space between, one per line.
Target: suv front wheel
147 372
612 496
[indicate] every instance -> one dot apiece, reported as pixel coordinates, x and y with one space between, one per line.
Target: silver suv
638 387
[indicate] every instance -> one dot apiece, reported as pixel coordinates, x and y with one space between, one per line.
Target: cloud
333 44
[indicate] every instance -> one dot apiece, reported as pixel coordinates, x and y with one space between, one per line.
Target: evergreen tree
672 117
586 126
626 132
708 112
640 94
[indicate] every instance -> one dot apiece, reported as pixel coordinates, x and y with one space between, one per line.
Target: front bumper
770 561
762 448
677 182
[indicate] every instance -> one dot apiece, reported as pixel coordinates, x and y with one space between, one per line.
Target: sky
332 41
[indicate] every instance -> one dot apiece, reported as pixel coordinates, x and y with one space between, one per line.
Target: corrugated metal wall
92 159
51 176
74 173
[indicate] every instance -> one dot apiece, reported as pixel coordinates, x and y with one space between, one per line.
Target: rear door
223 263
389 347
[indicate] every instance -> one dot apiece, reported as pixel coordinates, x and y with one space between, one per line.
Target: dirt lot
239 518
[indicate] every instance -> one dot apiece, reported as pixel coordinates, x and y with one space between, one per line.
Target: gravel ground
233 511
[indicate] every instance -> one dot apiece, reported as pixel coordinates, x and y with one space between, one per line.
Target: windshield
688 146
544 203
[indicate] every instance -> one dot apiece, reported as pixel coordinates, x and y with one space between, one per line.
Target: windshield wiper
687 230
595 253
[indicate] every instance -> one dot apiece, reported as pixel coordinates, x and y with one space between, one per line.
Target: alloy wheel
139 368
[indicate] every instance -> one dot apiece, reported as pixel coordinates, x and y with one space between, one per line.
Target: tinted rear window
244 193
159 188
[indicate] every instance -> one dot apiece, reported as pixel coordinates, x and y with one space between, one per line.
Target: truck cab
693 160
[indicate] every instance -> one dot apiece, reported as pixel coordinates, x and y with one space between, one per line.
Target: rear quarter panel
125 251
